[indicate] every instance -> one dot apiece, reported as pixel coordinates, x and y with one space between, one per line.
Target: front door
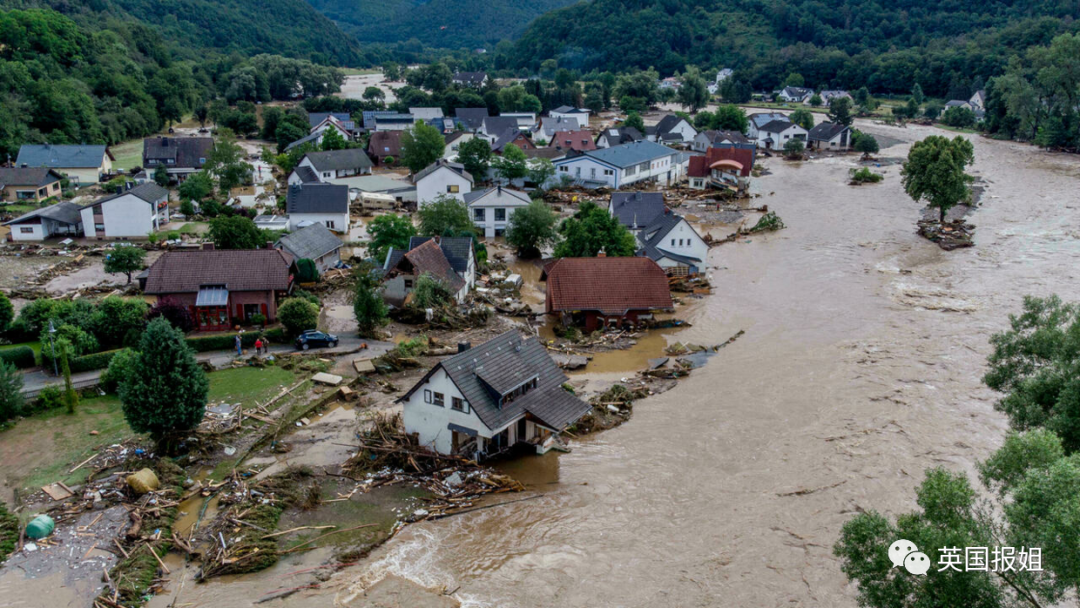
521 430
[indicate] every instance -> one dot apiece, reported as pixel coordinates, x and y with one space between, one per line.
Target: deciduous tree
421 145
934 172
531 229
591 230
125 260
389 231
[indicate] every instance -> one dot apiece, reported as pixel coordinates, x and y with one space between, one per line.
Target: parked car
314 338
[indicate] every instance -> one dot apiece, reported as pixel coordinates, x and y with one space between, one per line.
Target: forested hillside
886 46
436 23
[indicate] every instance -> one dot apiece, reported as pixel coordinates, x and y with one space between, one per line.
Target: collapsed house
486 399
403 269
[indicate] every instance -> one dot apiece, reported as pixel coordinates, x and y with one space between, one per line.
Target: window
202 161
608 172
437 399
330 224
453 189
457 404
26 231
99 227
408 283
564 168
478 215
672 242
593 172
500 232
427 396
500 215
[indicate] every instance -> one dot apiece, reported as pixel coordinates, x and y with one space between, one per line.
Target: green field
127 154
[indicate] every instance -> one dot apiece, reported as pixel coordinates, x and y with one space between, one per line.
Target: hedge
20 356
87 363
202 344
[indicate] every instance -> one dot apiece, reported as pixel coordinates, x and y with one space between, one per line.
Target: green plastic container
40 527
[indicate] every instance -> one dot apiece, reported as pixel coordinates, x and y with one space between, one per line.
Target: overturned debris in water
951 235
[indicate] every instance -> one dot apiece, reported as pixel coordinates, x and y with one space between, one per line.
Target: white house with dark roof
760 119
332 164
488 398
672 129
181 156
61 219
134 212
829 95
442 178
670 241
775 134
616 136
318 203
620 166
491 209
578 115
829 136
82 164
795 94
473 80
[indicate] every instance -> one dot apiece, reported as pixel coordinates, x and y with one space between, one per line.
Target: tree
374 94
430 292
437 77
420 146
445 216
512 164
866 144
298 315
197 186
933 109
794 79
591 230
693 93
840 111
934 171
541 170
11 395
368 306
71 398
391 72
164 394
793 149
633 105
161 176
125 260
7 312
236 232
389 231
226 161
531 229
958 116
816 101
633 119
862 96
119 321
475 154
332 140
917 94
178 315
306 270
802 117
730 118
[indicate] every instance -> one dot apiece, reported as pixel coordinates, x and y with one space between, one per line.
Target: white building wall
684 240
451 151
336 222
430 421
441 182
583 168
582 120
125 217
489 204
36 233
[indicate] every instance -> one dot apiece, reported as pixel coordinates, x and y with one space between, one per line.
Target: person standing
239 346
258 346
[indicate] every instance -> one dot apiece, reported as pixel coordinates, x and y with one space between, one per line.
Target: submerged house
486 399
221 287
603 292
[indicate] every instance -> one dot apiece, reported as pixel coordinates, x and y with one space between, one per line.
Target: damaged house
664 236
603 292
486 399
403 268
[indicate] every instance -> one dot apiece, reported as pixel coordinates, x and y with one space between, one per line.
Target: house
829 136
728 166
671 129
724 74
488 398
774 135
491 209
317 118
512 136
960 103
314 242
635 210
616 136
402 269
977 101
221 288
710 139
494 126
454 141
671 242
28 184
459 251
470 119
383 145
442 178
573 140
331 165
795 94
473 80
620 166
181 156
828 96
426 114
550 125
133 212
369 117
760 119
393 122
346 128
603 292
82 164
61 219
670 82
526 121
326 204
578 115
315 139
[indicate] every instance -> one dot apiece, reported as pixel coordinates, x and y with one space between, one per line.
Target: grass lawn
34 346
194 228
358 71
248 385
127 154
19 208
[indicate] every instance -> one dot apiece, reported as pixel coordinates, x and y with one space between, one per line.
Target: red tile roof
573 140
609 285
699 165
236 269
430 258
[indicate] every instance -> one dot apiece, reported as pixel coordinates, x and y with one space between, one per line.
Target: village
387 319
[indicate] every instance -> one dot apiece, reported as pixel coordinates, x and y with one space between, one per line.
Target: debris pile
948 236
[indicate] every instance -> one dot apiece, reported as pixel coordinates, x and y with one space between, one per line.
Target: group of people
262 347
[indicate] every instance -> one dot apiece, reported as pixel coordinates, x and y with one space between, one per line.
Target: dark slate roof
470 78
653 235
763 118
797 91
65 157
472 118
385 143
369 117
508 136
442 162
636 208
187 151
236 269
668 123
316 118
306 174
825 131
337 160
503 361
65 212
499 124
311 242
776 126
568 110
610 285
27 176
149 192
548 153
309 138
732 136
317 198
457 249
621 135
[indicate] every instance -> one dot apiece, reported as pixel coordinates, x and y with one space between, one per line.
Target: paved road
36 380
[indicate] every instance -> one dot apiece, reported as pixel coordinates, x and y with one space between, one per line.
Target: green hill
436 23
887 46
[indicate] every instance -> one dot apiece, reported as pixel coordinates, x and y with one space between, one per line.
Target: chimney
601 254
463 346
269 244
207 246
164 142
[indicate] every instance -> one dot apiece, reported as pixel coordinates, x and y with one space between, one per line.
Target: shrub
201 344
174 312
430 293
119 367
88 363
20 356
298 315
258 319
50 397
865 176
307 295
306 270
11 397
